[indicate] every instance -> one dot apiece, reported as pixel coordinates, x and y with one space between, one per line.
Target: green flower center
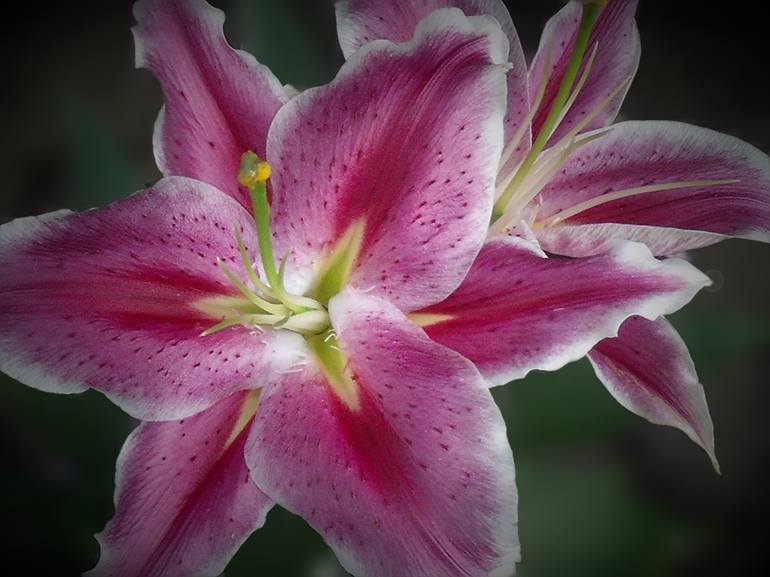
266 303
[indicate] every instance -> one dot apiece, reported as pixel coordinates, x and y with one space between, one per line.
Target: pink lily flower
573 184
308 381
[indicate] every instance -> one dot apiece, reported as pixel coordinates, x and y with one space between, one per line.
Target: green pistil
253 175
587 21
262 219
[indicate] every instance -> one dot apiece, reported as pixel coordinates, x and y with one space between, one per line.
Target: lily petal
417 479
219 101
648 369
184 499
517 310
108 299
729 194
361 21
616 61
404 145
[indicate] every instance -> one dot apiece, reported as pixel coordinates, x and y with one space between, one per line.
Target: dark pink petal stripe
361 21
184 499
417 479
638 154
107 299
406 140
517 310
616 61
648 369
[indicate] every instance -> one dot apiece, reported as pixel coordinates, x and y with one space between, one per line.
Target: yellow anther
263 171
254 171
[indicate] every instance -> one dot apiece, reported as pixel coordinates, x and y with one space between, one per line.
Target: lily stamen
540 175
518 191
252 320
268 303
527 121
589 15
249 267
626 193
268 307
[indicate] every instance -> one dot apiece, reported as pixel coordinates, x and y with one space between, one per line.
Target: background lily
573 185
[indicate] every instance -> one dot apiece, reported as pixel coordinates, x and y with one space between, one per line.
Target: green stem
587 20
262 220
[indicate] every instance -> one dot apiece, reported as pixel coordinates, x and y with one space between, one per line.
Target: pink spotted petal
517 310
106 299
219 102
635 154
184 499
615 63
648 370
417 479
406 140
361 21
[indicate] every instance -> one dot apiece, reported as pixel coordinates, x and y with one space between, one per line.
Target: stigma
254 171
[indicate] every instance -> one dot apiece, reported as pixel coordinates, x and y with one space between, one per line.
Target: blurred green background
602 493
